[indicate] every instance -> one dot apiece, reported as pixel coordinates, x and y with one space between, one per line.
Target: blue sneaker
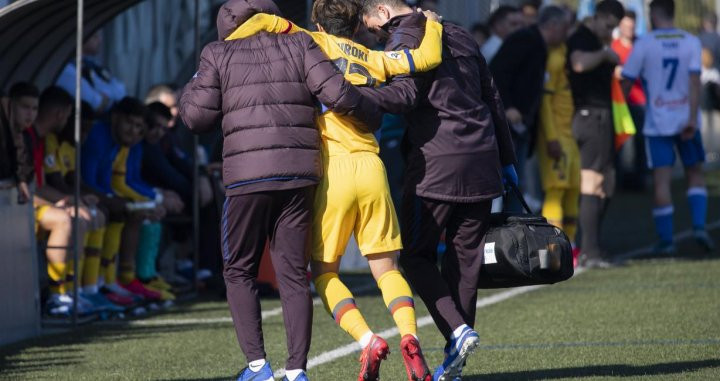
264 374
301 377
457 352
102 304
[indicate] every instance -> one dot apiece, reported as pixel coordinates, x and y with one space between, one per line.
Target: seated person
111 165
169 168
60 172
40 115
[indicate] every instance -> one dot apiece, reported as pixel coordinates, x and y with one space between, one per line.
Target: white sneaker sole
453 370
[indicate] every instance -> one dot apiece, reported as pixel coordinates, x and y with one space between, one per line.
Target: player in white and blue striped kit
668 61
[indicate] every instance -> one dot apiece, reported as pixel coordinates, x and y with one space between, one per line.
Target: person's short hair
610 8
23 89
500 14
480 27
631 15
710 17
337 17
551 14
368 6
54 97
86 111
532 3
130 106
155 92
666 7
159 109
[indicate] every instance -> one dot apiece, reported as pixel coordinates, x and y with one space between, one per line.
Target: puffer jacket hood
235 12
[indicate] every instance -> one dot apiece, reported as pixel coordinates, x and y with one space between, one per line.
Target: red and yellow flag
624 125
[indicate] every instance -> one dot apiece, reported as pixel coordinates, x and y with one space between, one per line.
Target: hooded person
264 91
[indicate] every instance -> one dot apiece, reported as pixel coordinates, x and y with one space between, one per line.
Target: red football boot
415 365
575 255
119 299
371 357
137 288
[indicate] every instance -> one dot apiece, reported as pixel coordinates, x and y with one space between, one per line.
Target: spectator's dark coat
519 69
265 90
8 161
457 134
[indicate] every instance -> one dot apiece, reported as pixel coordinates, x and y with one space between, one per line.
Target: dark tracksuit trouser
450 294
248 222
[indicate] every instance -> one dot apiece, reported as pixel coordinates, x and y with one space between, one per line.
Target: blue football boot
457 352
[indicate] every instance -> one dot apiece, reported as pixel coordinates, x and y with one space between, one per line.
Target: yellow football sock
398 299
553 207
571 206
56 273
126 272
70 273
110 250
339 302
91 268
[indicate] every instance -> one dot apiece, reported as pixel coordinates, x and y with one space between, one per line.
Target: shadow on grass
616 370
21 359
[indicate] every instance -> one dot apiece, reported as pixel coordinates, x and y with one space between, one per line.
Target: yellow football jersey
557 109
360 66
59 157
51 163
119 174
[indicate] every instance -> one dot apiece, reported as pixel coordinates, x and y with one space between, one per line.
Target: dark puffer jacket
265 90
457 135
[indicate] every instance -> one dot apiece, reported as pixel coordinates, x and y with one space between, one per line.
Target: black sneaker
703 239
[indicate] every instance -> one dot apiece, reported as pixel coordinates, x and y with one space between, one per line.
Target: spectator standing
530 11
519 69
670 61
623 46
505 21
99 88
480 33
591 64
709 37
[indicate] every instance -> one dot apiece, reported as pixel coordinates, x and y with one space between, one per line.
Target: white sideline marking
265 314
348 349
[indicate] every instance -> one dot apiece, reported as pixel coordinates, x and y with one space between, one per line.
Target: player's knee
56 219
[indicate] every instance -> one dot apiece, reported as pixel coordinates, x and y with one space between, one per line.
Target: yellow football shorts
354 197
40 211
563 173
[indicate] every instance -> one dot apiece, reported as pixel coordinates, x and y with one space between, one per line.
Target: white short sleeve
696 58
634 65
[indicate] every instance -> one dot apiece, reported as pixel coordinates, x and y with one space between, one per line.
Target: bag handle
517 193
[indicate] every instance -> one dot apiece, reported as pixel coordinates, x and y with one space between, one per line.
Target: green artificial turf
656 319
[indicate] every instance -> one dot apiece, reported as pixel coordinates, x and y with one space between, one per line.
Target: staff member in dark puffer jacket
264 89
458 149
